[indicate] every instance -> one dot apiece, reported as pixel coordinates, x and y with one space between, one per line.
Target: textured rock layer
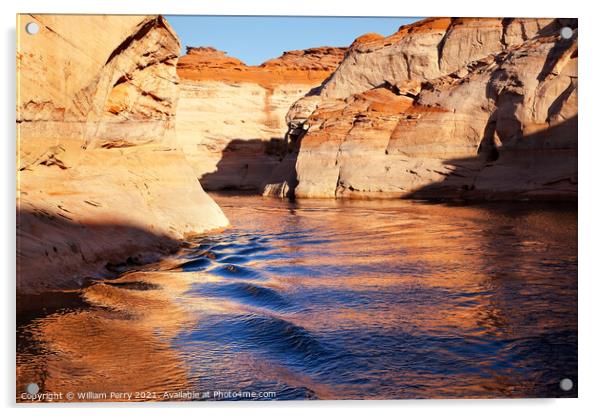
99 174
231 117
472 108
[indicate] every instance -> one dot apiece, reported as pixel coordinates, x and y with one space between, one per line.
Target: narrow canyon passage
329 299
196 224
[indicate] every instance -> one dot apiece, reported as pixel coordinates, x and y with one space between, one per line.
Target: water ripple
331 299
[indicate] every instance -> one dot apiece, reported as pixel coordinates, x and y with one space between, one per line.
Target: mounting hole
33 388
566 32
566 384
32 28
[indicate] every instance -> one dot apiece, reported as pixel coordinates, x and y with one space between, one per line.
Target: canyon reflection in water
331 300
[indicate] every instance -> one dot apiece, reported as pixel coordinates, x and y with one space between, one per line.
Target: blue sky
255 39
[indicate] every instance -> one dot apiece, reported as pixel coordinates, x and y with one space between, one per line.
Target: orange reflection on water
330 299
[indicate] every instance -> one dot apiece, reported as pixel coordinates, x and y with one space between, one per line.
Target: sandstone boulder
100 179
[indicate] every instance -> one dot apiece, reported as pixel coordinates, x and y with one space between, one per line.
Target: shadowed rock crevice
246 165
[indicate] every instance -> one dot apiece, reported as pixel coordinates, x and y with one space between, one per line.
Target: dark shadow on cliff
249 165
510 164
541 166
56 252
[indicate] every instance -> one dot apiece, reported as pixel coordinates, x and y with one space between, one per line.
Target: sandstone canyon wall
100 178
231 117
444 108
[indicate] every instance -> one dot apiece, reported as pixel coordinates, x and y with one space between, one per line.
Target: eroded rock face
472 108
100 176
426 49
231 117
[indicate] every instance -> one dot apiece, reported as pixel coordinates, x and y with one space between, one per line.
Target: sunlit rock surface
471 108
231 116
100 179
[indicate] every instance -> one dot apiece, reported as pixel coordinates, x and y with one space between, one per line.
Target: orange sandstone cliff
443 108
231 116
101 179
